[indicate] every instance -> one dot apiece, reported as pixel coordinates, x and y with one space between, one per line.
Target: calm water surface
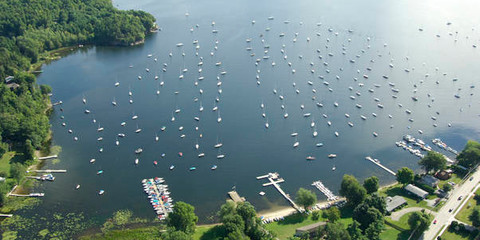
384 32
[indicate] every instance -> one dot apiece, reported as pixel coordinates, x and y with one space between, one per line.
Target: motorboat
332 155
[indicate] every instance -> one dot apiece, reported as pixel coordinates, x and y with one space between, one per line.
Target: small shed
414 190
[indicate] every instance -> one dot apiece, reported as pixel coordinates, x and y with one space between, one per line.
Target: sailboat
173 118
138 129
84 100
117 142
197 146
296 143
201 107
114 103
156 137
219 119
266 124
220 155
315 133
219 144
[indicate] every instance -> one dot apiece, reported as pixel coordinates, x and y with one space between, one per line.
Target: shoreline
284 211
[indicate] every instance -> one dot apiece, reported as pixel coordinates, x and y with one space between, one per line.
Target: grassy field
467 210
447 235
455 178
391 233
207 232
5 162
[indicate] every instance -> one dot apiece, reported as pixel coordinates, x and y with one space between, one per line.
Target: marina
159 196
232 92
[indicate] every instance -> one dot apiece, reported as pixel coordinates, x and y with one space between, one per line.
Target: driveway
398 214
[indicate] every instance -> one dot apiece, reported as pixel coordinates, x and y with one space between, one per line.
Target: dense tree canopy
183 218
27 28
305 198
419 221
405 175
334 231
433 161
352 190
371 184
470 156
475 217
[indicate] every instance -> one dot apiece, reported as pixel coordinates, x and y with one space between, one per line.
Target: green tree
335 231
228 208
316 215
333 214
419 221
447 187
405 175
355 231
376 201
374 229
365 215
45 89
352 190
433 161
183 218
470 155
371 184
475 217
305 198
17 171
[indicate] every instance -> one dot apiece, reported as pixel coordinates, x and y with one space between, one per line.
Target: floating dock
50 171
376 162
330 196
274 179
28 195
48 157
236 197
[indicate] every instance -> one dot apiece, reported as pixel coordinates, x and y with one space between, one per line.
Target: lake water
383 32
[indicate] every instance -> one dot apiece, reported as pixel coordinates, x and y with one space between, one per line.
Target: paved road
398 214
443 216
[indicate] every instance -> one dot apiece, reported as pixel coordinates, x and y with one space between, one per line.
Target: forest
30 28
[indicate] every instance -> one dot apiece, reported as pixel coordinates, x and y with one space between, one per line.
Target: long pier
48 157
376 162
330 196
51 171
6 215
28 195
274 179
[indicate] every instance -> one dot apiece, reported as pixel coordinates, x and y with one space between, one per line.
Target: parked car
450 210
435 221
471 178
460 198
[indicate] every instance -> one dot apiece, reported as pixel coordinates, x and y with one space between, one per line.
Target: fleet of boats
159 196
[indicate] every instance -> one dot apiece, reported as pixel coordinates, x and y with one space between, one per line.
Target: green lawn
391 233
397 189
466 211
207 232
447 235
5 162
455 178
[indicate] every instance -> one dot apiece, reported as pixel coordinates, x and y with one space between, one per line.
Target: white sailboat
219 119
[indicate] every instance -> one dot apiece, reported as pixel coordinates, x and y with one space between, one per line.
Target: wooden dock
274 179
6 215
48 157
28 195
50 171
236 197
376 162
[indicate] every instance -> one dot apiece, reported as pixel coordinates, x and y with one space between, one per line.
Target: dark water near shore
250 149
